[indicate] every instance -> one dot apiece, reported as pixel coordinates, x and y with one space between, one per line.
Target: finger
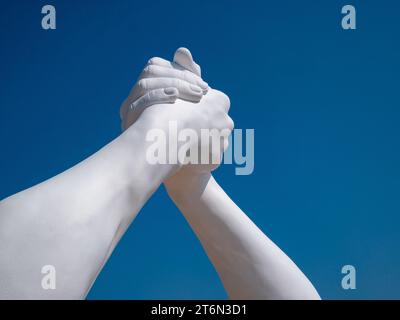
183 61
186 64
219 99
186 90
164 63
160 62
184 58
156 71
167 95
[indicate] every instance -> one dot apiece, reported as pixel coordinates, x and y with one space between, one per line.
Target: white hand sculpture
149 91
249 264
73 221
163 82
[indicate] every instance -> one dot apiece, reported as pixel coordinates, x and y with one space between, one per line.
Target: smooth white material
74 220
249 264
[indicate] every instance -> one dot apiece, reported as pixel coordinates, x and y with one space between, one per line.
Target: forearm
249 264
74 220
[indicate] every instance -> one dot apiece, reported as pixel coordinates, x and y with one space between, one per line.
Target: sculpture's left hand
162 81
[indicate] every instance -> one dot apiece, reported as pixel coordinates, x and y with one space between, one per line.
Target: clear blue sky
324 103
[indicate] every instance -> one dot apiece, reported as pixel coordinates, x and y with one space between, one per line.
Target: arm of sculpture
249 264
74 220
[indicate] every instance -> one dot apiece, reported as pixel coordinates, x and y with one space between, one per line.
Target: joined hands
74 220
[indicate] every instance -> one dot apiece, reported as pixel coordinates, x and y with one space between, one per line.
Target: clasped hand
175 91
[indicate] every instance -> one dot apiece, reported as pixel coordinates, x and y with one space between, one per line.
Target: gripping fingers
184 58
156 71
186 90
186 65
157 96
160 62
167 95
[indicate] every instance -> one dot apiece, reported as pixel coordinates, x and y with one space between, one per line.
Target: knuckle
223 99
153 60
226 101
142 84
231 123
149 70
151 95
145 71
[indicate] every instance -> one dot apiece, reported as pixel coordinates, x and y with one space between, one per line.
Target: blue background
324 103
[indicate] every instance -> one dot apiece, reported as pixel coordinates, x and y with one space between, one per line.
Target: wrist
186 185
135 145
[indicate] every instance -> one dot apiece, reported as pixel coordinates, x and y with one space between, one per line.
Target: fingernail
196 88
170 91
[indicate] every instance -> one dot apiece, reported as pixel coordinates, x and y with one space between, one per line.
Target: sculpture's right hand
208 112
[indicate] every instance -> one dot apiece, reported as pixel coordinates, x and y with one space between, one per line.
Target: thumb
184 58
